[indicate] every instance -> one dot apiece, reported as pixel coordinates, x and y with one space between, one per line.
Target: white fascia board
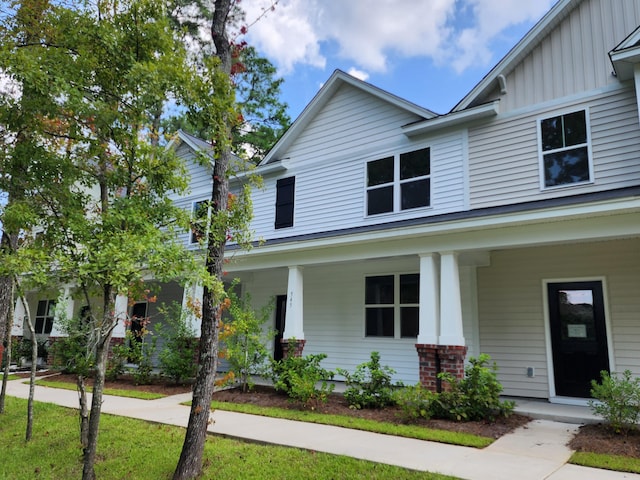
549 215
262 170
453 119
623 62
522 48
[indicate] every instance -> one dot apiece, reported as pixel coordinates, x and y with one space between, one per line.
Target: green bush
617 400
475 397
115 363
245 338
178 352
414 402
302 379
370 385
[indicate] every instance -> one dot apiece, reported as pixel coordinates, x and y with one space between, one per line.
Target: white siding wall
503 155
574 57
329 163
511 308
334 312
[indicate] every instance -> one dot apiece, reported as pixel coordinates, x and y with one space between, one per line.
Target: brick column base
434 359
292 347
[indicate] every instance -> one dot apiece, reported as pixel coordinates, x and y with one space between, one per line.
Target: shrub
179 348
302 379
370 385
475 397
245 338
414 402
618 400
116 362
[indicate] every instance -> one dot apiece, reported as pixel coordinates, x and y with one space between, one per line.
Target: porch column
429 320
192 303
451 348
121 313
64 310
293 336
17 327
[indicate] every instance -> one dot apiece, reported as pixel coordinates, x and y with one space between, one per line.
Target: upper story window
399 182
285 194
392 305
44 316
564 145
199 216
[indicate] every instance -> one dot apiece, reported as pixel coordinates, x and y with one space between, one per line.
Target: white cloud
366 33
359 74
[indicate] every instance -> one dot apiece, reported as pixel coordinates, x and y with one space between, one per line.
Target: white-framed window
392 305
199 218
565 150
399 182
44 316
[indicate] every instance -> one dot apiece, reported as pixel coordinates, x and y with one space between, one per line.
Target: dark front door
578 336
281 310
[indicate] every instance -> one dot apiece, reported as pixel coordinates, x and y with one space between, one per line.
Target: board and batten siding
504 164
511 309
329 161
573 58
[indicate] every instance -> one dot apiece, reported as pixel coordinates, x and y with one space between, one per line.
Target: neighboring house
509 226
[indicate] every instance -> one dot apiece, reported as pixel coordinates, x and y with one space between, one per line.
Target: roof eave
453 119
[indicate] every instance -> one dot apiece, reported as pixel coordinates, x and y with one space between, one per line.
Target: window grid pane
414 164
380 172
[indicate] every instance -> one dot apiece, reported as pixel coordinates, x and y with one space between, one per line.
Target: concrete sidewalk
536 451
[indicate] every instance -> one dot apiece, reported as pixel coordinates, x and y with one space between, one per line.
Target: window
285 193
564 144
400 182
44 316
199 216
391 297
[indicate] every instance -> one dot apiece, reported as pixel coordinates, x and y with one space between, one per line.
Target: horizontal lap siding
503 156
329 160
574 57
511 308
334 313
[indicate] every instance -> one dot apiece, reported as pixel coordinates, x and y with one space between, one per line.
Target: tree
219 115
262 116
111 221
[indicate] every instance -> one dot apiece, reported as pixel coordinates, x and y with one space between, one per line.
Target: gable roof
337 79
626 55
531 40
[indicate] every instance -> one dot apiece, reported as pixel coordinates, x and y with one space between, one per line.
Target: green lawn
107 391
133 449
409 431
608 462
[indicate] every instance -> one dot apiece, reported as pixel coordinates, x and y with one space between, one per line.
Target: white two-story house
509 226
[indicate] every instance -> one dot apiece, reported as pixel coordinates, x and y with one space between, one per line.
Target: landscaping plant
178 352
302 379
370 385
617 400
475 397
415 402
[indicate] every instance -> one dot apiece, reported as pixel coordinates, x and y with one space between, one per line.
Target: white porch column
451 332
193 294
121 311
64 310
17 327
294 322
429 316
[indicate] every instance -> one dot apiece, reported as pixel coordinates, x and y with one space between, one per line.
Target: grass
131 448
107 391
409 431
605 461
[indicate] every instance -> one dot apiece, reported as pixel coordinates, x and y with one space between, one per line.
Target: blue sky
431 52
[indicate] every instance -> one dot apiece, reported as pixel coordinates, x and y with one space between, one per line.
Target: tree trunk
190 463
84 411
7 350
102 350
34 365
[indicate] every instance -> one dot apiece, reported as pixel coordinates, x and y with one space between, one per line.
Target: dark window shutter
285 193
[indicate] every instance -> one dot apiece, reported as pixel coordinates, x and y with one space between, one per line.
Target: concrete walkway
536 451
